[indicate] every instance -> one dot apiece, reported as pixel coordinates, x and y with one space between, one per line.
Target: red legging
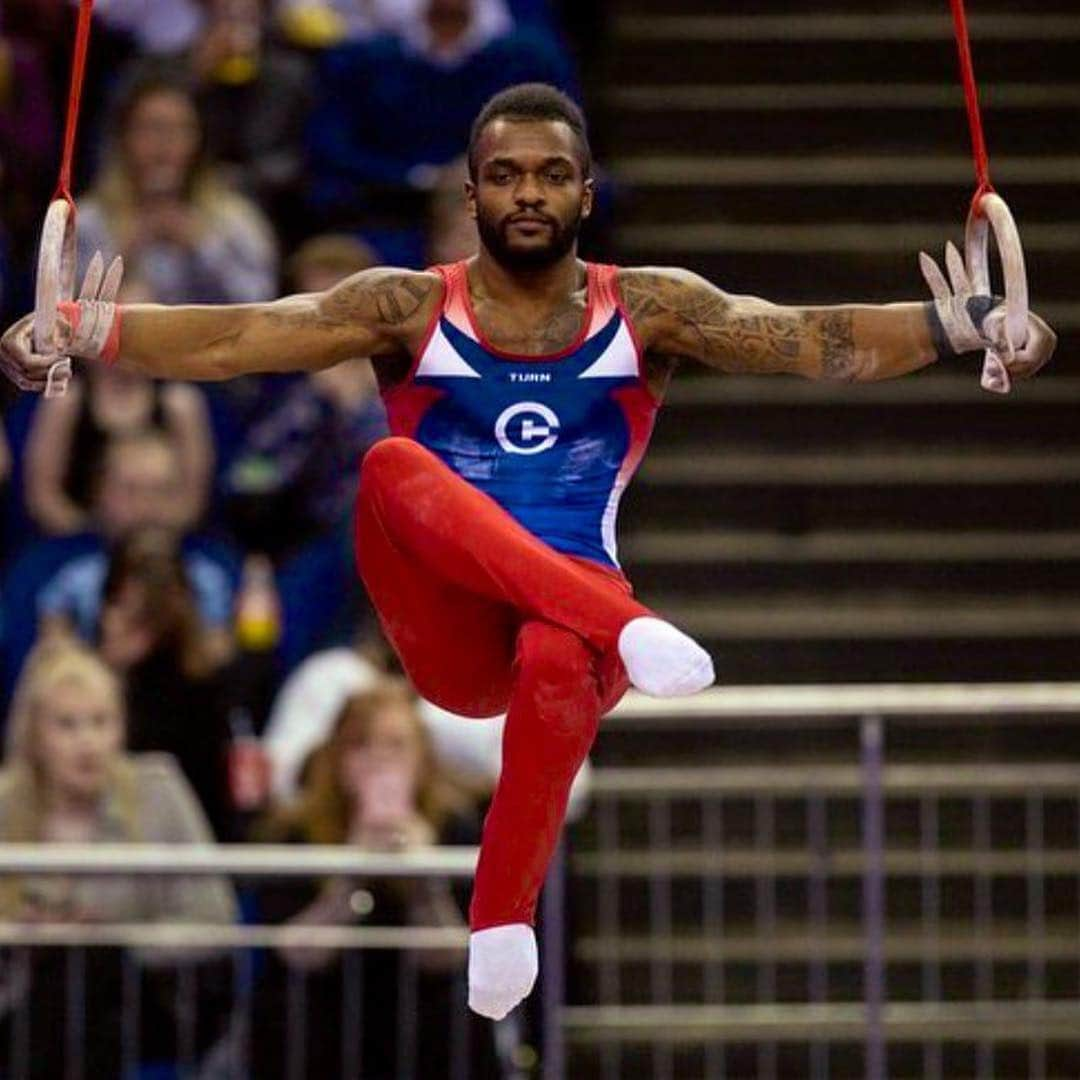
487 618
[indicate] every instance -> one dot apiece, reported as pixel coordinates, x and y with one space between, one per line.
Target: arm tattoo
761 343
399 300
740 335
708 327
836 330
389 299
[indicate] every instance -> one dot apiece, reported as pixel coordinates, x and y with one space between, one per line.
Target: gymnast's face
530 194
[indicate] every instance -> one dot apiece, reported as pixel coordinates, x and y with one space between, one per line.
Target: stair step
937 407
973 467
859 238
933 387
842 169
675 863
693 902
676 564
857 48
722 547
807 616
666 8
804 942
802 507
981 1021
758 145
772 661
756 98
761 118
864 26
809 186
842 637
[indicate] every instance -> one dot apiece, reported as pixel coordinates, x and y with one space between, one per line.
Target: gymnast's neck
548 284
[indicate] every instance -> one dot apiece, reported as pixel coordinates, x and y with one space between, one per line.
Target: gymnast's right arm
376 312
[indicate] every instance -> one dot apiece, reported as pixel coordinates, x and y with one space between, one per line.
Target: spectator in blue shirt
394 109
137 487
58 584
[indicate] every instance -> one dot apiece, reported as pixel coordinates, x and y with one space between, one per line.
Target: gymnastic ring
55 283
990 213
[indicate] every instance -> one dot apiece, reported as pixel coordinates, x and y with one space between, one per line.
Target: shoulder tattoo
390 298
739 335
707 326
397 301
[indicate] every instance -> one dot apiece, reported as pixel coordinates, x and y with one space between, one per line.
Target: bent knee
389 457
554 655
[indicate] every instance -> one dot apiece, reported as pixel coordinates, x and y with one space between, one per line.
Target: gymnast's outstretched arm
678 314
378 312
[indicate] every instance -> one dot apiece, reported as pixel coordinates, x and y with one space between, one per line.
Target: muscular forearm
680 314
373 313
220 342
377 312
866 343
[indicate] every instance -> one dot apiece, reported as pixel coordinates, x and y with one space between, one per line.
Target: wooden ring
991 214
55 282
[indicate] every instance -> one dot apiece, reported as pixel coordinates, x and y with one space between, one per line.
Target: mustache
533 216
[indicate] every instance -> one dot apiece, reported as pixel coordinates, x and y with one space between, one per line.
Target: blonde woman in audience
160 205
67 779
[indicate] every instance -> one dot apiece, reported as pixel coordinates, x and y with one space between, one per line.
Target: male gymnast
521 388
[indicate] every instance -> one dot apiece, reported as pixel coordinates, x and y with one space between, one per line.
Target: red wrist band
110 348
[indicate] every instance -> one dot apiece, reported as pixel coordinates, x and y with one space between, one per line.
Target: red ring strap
78 72
971 97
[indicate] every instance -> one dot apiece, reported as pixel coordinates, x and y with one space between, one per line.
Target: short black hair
532 101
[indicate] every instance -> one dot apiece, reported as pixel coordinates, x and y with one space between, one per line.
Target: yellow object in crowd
312 26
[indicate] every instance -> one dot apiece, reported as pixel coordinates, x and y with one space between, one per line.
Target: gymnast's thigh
455 646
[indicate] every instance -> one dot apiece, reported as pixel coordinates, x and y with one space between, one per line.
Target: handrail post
553 984
873 829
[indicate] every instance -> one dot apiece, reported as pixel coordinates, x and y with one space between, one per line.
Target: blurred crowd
186 654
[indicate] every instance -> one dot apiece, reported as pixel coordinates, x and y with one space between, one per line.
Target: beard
494 236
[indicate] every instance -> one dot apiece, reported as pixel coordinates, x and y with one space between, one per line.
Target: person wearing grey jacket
67 779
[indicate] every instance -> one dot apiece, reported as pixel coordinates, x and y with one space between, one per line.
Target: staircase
906 532
917 530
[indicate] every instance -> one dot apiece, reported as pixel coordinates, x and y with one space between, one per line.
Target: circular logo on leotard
527 428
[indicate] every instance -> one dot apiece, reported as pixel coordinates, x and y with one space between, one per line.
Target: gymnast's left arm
676 313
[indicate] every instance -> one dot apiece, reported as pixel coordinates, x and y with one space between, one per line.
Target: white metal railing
235 860
741 703
176 945
219 936
865 710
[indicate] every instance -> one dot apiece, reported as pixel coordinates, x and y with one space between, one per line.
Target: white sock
502 968
663 661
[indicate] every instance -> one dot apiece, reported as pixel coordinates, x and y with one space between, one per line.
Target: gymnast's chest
561 414
521 408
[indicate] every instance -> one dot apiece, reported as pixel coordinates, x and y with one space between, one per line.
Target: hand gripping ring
991 213
55 283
